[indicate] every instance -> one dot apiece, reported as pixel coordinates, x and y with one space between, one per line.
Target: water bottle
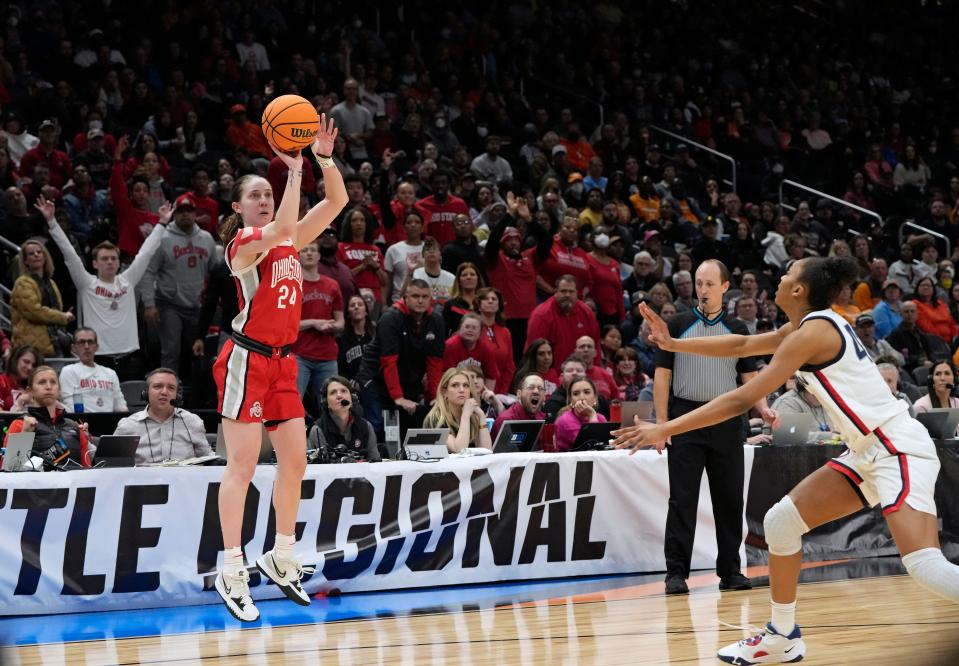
77 403
616 411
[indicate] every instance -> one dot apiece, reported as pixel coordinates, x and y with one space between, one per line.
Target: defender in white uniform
890 458
891 461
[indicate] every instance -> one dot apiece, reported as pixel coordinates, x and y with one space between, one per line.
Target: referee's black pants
718 450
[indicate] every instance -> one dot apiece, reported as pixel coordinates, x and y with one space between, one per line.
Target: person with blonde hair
457 407
36 306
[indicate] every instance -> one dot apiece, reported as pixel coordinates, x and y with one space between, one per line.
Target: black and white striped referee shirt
702 378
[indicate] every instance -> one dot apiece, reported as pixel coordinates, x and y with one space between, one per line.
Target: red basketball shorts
253 388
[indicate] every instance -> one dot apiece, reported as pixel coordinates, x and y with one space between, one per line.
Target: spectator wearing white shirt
490 166
19 140
166 431
354 120
106 301
248 49
96 386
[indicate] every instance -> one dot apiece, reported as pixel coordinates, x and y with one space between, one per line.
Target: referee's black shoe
676 584
735 581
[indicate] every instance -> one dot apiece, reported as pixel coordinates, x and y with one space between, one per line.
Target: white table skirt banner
150 537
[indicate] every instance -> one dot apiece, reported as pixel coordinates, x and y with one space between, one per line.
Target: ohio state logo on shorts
256 411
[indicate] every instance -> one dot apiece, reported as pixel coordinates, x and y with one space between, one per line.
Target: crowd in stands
496 223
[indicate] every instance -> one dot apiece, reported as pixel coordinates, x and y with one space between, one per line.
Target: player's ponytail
825 278
234 221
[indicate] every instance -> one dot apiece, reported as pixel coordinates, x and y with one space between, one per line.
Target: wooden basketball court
879 620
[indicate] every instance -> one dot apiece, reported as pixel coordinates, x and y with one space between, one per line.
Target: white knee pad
784 528
930 568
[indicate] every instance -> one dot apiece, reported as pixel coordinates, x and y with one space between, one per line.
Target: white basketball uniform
890 458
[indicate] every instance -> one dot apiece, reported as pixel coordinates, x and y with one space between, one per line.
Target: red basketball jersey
270 293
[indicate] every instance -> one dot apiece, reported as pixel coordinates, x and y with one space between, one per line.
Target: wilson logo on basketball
287 268
302 133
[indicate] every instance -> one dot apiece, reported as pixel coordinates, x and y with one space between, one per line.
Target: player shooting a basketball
890 460
256 374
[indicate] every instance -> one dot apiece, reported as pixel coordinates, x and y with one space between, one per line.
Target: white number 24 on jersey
287 297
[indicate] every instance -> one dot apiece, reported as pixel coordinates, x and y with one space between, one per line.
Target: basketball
290 123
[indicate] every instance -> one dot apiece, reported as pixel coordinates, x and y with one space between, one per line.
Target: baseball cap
601 241
637 297
710 220
184 201
95 134
652 233
574 177
891 283
559 148
864 319
329 231
47 124
615 239
512 232
237 108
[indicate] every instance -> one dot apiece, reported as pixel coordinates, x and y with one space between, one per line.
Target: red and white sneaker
766 647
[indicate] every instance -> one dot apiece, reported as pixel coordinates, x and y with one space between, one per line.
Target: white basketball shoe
234 589
286 573
766 647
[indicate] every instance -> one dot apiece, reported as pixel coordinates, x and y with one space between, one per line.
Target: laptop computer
116 451
266 446
794 429
17 456
594 436
940 422
426 443
643 409
514 436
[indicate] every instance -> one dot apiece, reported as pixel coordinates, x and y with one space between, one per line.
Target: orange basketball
290 123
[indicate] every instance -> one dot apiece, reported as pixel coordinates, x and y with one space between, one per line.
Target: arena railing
912 224
818 193
731 181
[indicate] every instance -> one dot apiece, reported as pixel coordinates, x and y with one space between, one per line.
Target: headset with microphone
175 402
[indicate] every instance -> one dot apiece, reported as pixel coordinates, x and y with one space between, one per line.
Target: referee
682 383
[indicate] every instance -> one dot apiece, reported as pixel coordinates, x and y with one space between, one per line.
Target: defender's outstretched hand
640 435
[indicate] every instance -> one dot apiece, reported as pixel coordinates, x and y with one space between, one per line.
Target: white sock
784 617
233 560
283 546
930 568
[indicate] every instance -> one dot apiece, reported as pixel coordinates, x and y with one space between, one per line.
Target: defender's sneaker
766 647
286 573
235 592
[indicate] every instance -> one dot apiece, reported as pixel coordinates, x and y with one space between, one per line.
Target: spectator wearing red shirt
358 253
562 319
135 220
607 289
441 208
207 209
276 174
467 348
578 150
46 153
530 394
538 360
586 352
321 321
241 133
512 270
565 258
489 302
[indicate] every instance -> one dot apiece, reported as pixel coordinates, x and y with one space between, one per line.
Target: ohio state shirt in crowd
98 387
352 255
439 217
564 260
320 299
